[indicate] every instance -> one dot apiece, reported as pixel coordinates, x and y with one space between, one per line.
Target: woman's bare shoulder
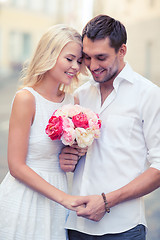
24 101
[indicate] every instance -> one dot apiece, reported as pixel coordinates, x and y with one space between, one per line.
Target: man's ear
122 50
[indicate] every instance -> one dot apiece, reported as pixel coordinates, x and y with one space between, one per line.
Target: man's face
101 59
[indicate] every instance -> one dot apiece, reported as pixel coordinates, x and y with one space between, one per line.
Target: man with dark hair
122 165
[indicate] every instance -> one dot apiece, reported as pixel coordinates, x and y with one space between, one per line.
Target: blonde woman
33 195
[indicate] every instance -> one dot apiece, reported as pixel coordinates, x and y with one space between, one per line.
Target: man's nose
93 65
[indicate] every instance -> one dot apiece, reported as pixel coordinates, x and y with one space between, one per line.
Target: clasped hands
91 207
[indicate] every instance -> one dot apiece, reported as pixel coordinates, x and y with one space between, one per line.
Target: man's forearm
140 186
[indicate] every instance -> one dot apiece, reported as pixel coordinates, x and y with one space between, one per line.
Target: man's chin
98 79
102 80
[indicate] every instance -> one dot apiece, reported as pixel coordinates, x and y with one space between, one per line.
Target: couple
113 174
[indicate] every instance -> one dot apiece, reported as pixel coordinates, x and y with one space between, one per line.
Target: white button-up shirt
128 145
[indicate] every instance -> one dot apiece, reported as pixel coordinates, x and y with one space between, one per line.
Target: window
52 7
26 46
0 47
19 48
148 61
20 3
37 5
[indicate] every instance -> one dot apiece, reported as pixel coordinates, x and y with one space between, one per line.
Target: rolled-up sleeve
151 126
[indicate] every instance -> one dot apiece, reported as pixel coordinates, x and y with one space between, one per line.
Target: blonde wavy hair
46 54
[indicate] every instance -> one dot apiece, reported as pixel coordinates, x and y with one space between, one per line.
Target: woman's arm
21 119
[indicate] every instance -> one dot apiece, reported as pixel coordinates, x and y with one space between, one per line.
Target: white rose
84 137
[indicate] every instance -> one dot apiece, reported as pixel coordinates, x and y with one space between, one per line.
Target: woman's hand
69 201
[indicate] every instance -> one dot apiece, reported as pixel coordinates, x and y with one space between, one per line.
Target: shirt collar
125 74
95 84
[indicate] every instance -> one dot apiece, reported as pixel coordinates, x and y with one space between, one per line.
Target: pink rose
80 120
67 123
74 110
54 129
74 123
99 123
68 137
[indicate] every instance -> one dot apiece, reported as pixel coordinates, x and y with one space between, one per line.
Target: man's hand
68 159
94 210
81 151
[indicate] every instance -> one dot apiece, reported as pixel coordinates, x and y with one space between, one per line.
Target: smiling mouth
70 74
98 73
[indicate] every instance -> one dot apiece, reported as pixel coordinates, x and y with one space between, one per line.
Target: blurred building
142 20
22 23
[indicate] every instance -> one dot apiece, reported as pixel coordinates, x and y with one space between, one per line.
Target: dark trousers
136 233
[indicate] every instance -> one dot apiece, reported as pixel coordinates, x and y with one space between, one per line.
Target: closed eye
69 59
86 56
79 61
101 58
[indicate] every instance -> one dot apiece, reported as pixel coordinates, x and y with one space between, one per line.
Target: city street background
22 22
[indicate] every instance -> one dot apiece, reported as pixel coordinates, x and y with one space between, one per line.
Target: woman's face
68 64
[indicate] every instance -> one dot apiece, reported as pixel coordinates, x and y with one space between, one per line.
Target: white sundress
24 213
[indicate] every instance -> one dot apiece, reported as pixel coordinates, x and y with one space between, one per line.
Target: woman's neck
49 90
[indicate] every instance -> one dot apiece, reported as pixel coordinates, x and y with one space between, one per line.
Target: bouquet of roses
74 124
